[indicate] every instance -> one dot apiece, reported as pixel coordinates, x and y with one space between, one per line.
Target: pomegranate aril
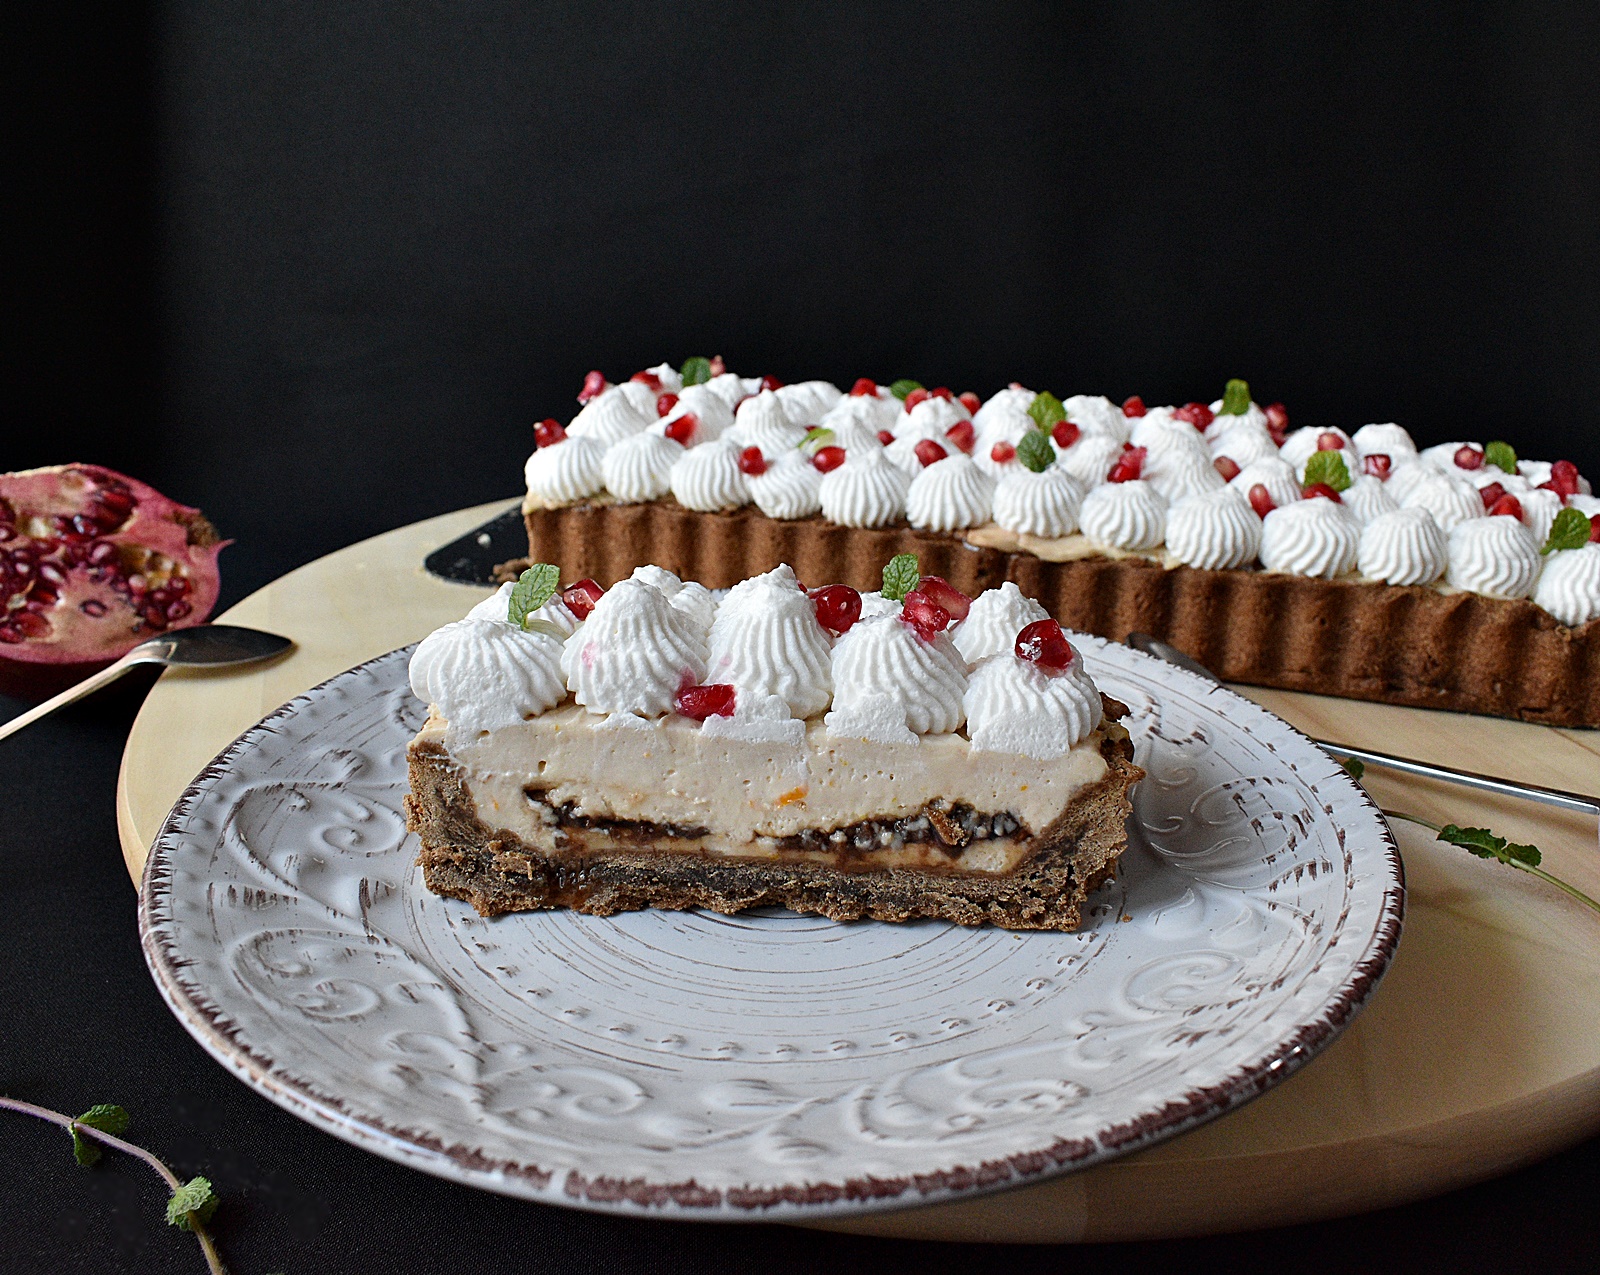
665 404
1490 494
865 387
31 623
752 462
838 607
548 432
1506 507
179 585
915 397
1323 490
10 633
154 616
929 452
1261 500
962 435
92 607
969 400
828 458
581 597
885 437
1227 467
925 616
1133 405
701 702
941 391
718 367
1197 414
42 596
1564 478
1065 433
647 378
1000 453
771 383
1043 643
1594 529
1377 465
177 610
944 594
1468 457
1328 441
682 429
1129 465
593 384
1277 421
54 574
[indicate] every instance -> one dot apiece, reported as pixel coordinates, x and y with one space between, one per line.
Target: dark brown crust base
1398 645
498 872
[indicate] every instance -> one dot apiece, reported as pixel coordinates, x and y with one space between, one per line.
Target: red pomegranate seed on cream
1001 452
1227 467
701 702
1468 457
838 607
1261 500
929 452
962 435
752 462
1065 433
548 432
1043 643
828 458
581 597
1133 405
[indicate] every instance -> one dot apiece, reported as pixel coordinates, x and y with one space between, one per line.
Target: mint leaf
104 1117
1501 456
1035 451
901 388
1484 844
696 371
815 440
534 587
1046 410
1235 398
194 1196
1328 467
1354 767
1570 530
900 576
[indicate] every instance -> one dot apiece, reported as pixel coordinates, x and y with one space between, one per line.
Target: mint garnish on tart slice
900 576
1046 410
1570 530
1328 467
1034 451
534 587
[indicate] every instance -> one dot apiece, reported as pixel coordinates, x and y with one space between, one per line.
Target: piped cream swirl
949 494
708 478
1014 706
1131 516
891 686
639 468
1217 531
866 491
1404 546
993 622
1313 537
482 675
1569 585
765 640
789 488
633 653
1038 504
1493 556
566 471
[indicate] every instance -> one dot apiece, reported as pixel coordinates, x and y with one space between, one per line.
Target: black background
318 268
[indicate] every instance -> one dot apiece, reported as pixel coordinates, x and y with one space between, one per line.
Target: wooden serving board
1480 1051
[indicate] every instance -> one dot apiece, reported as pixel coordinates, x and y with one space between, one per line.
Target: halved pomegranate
92 563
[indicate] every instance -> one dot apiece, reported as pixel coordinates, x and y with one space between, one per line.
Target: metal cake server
203 646
1406 765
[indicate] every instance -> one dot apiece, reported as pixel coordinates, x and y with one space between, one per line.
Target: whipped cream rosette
640 467
1569 585
1310 538
566 471
1128 515
866 491
1217 531
949 494
1497 557
993 622
766 640
1403 546
613 415
708 478
485 674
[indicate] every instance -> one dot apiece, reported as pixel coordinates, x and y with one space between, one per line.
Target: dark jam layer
949 827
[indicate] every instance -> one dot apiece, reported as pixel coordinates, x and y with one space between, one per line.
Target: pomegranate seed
771 383
828 458
31 624
838 607
1000 453
581 597
701 702
1551 487
718 367
1329 442
1506 507
1133 405
41 598
885 437
1564 478
647 378
1490 494
1322 490
593 384
1594 529
928 452
1277 421
865 387
1197 414
969 400
1261 500
92 606
154 616
1043 643
962 435
665 404
925 616
177 610
1377 465
940 391
10 633
752 462
548 432
1468 457
54 574
943 594
1227 467
1129 465
682 429
1065 433
179 585
915 397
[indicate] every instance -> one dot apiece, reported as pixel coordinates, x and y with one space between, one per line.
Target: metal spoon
1466 778
203 646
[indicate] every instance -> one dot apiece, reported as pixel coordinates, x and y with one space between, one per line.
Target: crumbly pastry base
497 872
1415 646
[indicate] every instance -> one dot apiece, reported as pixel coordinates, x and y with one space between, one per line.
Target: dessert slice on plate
900 754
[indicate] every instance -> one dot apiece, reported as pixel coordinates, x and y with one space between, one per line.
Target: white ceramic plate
768 1065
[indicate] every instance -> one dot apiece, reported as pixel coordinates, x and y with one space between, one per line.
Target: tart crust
1415 646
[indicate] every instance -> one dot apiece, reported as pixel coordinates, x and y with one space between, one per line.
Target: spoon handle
75 692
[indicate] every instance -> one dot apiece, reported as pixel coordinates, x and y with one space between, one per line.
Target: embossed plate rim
195 1008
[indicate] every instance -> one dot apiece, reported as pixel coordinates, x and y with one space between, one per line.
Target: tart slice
901 754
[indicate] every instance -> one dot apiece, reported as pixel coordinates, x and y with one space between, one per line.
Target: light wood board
1480 1051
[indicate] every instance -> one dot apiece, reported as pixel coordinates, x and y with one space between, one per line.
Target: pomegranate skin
100 562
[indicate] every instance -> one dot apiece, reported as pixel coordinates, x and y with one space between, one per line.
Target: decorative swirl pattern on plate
766 1064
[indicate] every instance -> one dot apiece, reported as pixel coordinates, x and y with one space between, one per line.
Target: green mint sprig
1570 530
900 576
903 387
1046 410
1328 467
1235 398
534 587
190 1205
1501 455
695 371
1035 452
